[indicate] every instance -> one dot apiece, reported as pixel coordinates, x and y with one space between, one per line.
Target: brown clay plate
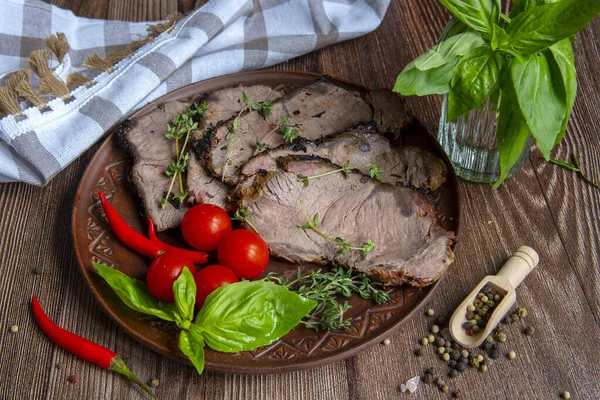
301 348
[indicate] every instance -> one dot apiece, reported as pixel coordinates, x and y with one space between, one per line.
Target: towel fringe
77 79
9 103
58 44
97 63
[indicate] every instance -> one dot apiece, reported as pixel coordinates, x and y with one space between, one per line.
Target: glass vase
471 144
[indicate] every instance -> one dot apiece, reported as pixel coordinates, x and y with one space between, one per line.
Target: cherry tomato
204 225
244 252
210 279
163 272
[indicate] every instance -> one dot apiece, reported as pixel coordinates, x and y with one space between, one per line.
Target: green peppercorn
489 339
154 382
470 307
478 304
484 299
479 357
521 312
441 350
445 389
387 342
501 337
430 338
497 298
490 304
424 341
473 321
476 329
485 308
430 312
483 368
464 353
14 329
477 317
474 362
481 312
565 395
511 355
435 329
446 357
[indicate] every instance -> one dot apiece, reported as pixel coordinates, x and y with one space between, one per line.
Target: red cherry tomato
163 272
204 225
244 252
210 279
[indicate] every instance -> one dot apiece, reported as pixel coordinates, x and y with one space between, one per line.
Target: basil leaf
537 28
249 314
478 14
445 51
191 344
133 293
512 133
474 79
453 27
499 37
562 54
519 6
184 290
540 98
433 81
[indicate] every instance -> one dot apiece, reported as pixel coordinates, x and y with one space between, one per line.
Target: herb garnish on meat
374 172
288 130
263 108
241 214
312 224
182 125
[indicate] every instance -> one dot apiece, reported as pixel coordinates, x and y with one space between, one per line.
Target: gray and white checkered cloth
221 37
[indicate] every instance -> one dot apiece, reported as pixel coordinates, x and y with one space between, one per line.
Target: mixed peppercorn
479 313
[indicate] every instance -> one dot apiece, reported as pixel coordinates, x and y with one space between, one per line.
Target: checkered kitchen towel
221 37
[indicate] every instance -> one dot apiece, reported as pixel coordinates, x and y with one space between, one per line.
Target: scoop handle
519 265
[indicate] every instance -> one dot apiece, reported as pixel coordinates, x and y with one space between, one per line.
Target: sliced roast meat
410 245
360 146
389 111
152 154
223 104
320 109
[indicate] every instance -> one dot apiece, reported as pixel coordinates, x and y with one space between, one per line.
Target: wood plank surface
545 207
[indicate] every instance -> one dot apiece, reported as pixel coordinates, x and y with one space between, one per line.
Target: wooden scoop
512 273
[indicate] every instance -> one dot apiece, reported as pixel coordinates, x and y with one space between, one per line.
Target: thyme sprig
241 214
263 108
287 129
326 288
575 168
374 172
344 245
181 126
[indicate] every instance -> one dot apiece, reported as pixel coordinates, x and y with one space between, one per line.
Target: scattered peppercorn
522 312
440 320
73 379
511 355
529 330
446 357
418 352
474 362
452 364
565 395
14 329
435 329
441 350
461 367
424 341
470 307
506 320
430 312
37 270
455 394
154 382
483 368
489 339
455 355
445 389
440 342
430 338
455 346
453 373
464 353
427 378
501 337
387 342
514 317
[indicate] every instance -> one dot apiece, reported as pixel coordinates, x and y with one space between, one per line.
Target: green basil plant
522 62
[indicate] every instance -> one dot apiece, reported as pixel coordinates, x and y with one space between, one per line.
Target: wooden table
546 207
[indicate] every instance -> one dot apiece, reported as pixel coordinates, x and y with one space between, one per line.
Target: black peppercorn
428 378
452 364
463 360
461 367
439 342
418 352
455 346
453 373
529 330
467 325
455 355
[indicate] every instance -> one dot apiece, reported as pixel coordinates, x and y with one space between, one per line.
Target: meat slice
320 109
152 154
410 245
389 111
360 146
223 104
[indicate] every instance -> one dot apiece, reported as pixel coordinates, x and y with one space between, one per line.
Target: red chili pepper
83 348
132 239
198 257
